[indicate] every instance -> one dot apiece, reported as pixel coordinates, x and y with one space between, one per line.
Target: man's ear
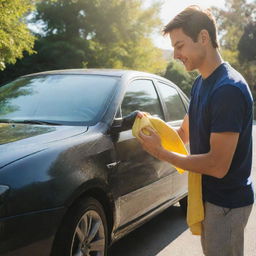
204 37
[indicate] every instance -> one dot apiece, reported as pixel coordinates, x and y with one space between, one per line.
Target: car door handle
112 165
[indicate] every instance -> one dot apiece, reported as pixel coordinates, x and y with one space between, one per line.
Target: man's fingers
149 128
149 131
141 135
139 114
140 139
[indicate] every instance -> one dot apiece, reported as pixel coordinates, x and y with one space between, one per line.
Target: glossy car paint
48 168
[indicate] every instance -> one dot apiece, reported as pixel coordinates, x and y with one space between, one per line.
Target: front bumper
29 234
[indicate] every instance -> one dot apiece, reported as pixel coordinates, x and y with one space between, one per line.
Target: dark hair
192 20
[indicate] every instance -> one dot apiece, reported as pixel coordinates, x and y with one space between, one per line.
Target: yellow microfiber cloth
172 142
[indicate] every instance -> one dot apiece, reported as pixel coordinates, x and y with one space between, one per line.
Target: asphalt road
167 234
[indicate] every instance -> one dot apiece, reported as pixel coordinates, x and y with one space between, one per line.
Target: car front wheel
84 231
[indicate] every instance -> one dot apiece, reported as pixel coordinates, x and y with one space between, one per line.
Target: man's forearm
203 163
181 134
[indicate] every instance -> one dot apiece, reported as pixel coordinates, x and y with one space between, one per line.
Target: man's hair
192 20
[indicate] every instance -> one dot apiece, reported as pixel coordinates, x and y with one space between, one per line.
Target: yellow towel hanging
172 142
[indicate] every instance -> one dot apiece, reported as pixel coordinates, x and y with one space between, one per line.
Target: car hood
25 139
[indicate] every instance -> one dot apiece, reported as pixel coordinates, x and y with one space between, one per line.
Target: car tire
184 204
83 232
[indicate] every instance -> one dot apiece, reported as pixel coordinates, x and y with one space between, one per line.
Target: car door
176 109
138 179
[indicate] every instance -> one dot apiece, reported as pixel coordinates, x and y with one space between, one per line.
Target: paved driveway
168 234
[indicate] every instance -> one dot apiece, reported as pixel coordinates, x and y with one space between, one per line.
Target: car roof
122 73
106 72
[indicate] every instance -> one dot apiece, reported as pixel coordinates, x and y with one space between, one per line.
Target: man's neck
211 62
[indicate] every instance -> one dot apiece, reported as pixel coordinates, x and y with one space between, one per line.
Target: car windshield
66 99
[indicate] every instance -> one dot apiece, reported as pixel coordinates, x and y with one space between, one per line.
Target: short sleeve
227 109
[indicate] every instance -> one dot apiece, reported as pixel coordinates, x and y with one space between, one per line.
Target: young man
218 127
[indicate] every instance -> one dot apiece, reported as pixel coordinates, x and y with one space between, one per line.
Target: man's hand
141 114
151 143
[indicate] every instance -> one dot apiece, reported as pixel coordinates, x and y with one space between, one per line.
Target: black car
73 179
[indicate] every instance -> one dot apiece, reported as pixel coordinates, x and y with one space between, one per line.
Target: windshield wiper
41 122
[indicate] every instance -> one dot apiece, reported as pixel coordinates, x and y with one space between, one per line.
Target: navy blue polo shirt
223 103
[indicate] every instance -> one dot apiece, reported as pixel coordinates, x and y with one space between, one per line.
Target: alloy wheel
89 236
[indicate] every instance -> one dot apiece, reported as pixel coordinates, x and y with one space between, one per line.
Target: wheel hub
85 248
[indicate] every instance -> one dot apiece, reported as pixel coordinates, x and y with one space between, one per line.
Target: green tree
246 45
231 22
177 73
237 38
247 53
94 34
15 37
114 33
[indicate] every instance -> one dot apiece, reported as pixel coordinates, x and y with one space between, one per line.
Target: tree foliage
231 21
247 43
113 34
94 34
15 37
177 73
237 39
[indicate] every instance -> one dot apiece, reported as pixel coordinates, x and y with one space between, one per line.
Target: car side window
175 107
141 95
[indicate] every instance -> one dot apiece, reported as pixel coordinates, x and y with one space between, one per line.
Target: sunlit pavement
168 235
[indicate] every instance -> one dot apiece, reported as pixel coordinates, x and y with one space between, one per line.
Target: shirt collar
212 77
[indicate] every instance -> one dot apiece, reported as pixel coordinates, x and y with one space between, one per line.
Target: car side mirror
124 123
115 128
117 124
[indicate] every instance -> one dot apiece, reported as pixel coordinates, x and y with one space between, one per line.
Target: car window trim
164 107
157 93
177 90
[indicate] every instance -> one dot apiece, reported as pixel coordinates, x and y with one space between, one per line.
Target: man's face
191 53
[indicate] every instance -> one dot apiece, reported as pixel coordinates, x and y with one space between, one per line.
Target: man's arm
228 108
183 131
215 163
